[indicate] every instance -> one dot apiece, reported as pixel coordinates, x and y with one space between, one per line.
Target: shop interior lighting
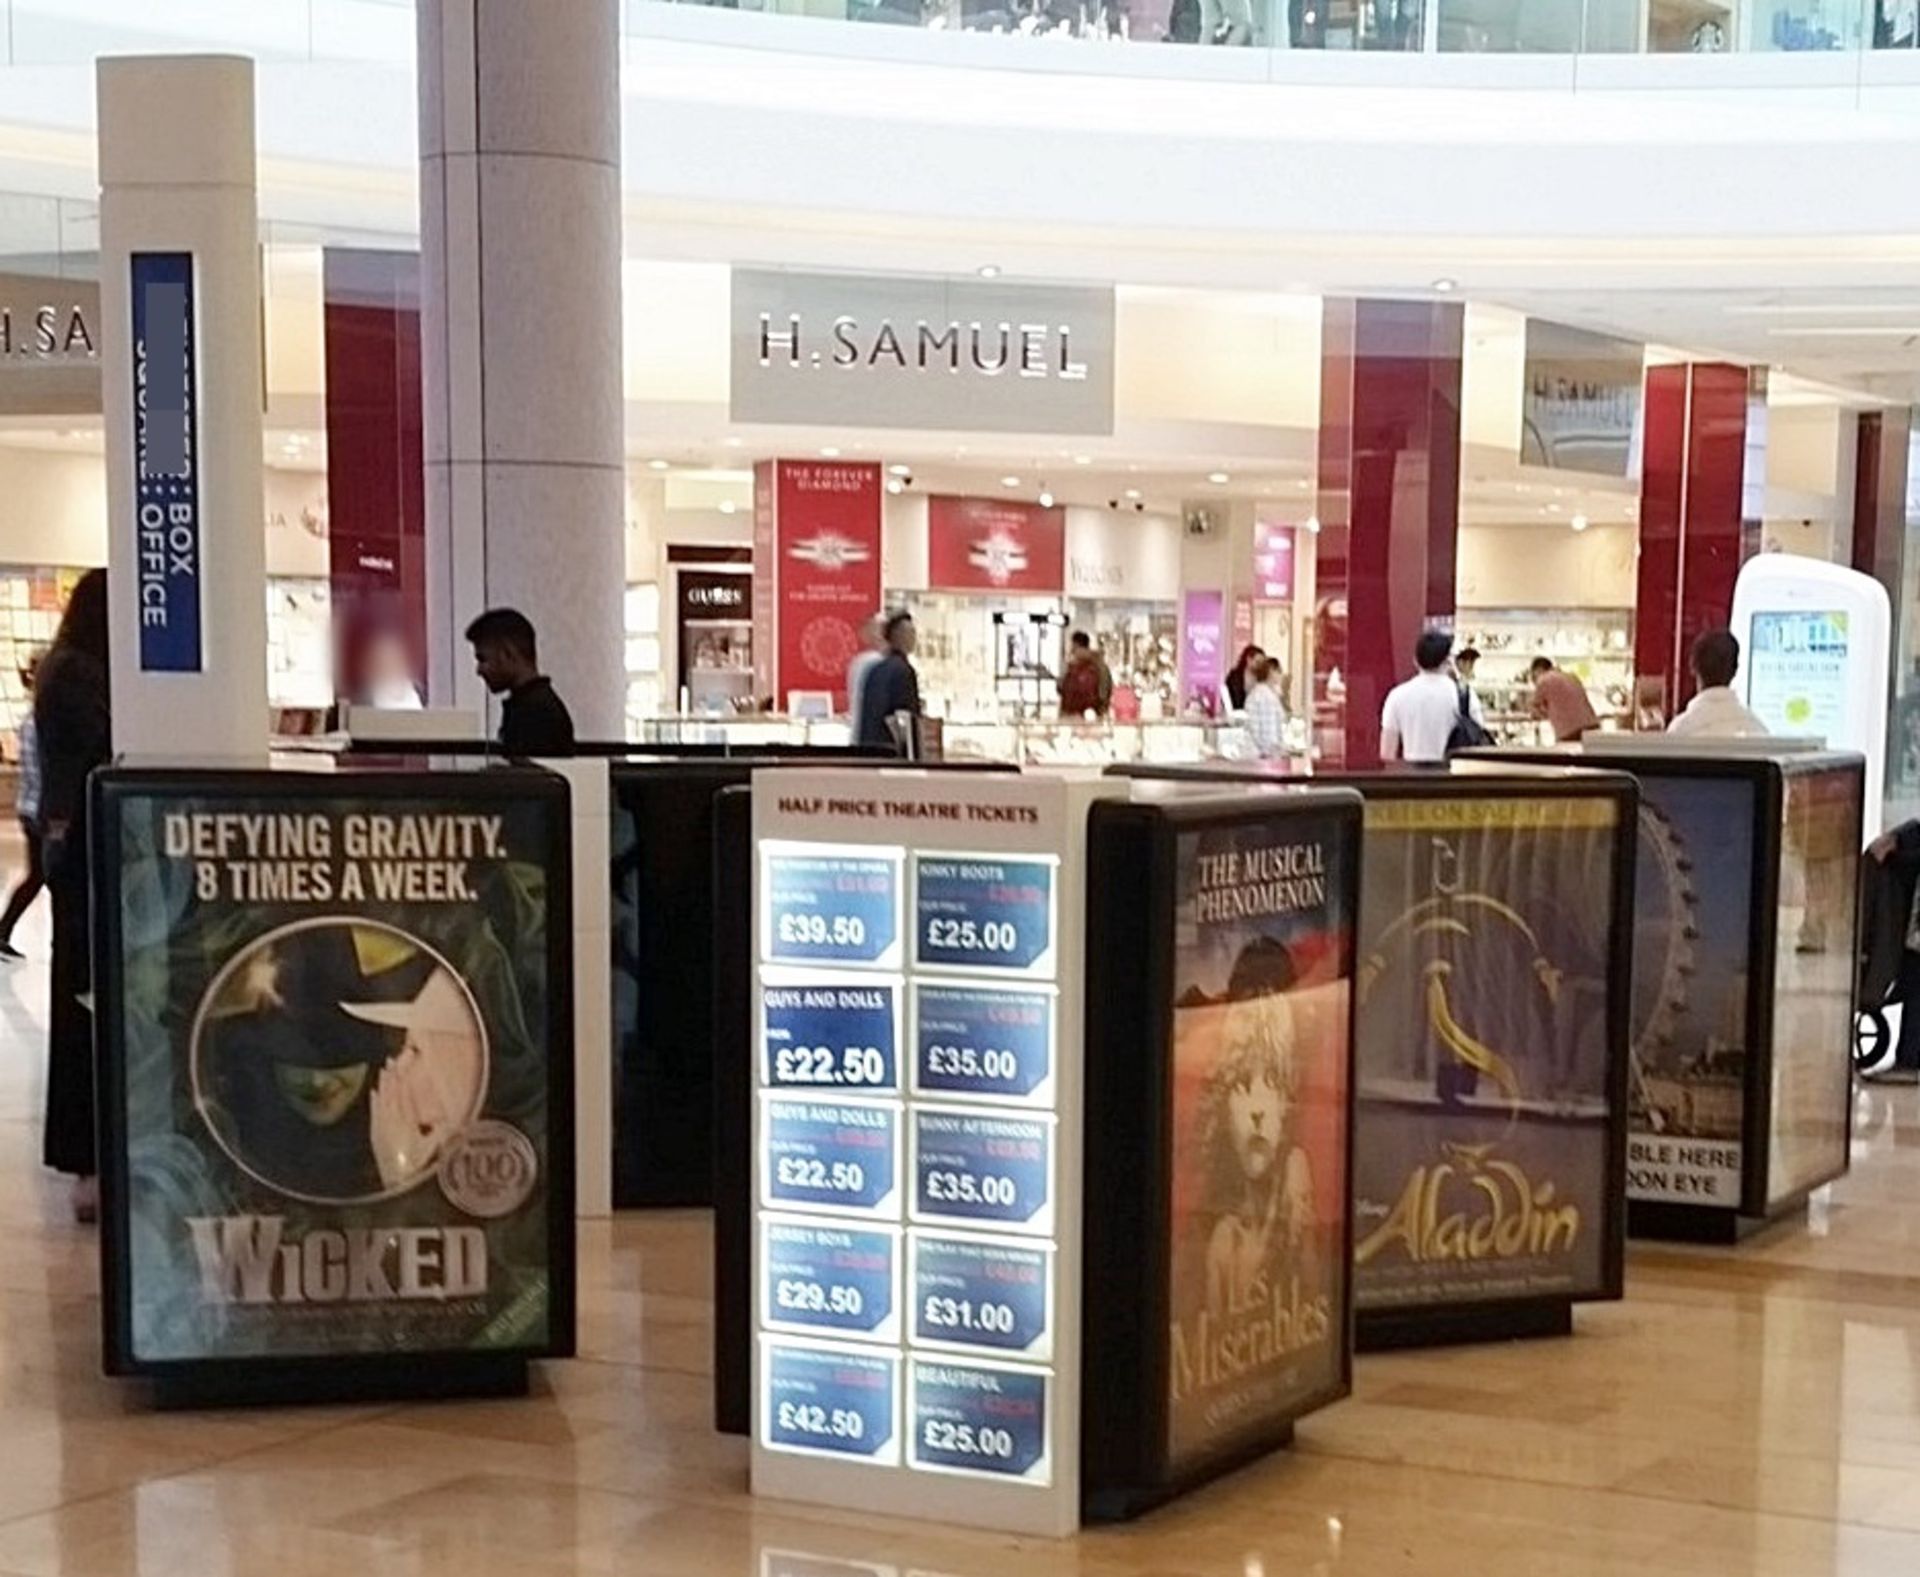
727 506
656 465
1579 522
1009 481
989 270
1313 524
830 452
1219 478
896 486
900 470
1133 493
1445 285
1083 459
1046 499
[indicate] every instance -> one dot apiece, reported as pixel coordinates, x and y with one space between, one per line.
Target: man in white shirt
1418 718
1716 712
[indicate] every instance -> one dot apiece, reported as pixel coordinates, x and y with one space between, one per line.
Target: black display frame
1668 1220
327 1377
1126 1259
1540 1314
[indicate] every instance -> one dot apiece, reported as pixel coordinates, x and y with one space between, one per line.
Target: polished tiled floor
1750 1412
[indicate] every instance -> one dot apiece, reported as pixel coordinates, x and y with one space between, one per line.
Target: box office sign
873 350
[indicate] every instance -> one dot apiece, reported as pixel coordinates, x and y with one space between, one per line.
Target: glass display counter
1493 978
1745 990
746 732
1060 742
335 1041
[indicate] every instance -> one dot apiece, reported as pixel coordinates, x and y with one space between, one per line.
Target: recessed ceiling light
1551 509
656 465
1579 522
895 485
727 506
1446 285
989 270
1009 481
734 443
900 470
1046 499
1313 524
829 452
1218 478
1083 459
1133 492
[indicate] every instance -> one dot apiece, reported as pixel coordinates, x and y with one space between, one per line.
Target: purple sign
1203 634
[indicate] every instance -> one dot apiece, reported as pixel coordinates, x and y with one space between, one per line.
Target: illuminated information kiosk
917 1143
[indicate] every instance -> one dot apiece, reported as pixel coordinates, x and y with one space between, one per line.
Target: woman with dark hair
72 718
1240 676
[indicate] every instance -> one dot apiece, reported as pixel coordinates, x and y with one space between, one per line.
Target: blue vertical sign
166 462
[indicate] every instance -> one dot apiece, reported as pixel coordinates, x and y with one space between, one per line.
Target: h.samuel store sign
867 350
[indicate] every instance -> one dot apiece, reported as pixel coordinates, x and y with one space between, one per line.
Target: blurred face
905 638
1466 665
499 666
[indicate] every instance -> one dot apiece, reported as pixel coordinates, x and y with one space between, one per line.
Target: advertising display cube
1492 1005
335 1062
1219 1114
1745 948
971 1303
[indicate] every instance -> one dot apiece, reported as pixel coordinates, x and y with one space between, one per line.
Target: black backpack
1467 734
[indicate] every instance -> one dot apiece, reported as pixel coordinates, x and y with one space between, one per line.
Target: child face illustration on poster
1259 1170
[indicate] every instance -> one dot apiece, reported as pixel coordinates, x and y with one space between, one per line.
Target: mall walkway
1750 1413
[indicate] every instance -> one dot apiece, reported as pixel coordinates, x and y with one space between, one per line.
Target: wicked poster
1261 1068
334 1041
1481 1156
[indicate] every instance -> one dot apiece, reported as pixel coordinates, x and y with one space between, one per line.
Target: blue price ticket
826 1400
983 1166
831 908
981 1293
983 1040
979 912
830 1155
970 1419
830 1279
829 1034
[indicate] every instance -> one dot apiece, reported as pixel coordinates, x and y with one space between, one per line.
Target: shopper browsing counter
534 721
1716 711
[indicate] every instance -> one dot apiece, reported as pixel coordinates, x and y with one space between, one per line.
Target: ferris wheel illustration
1663 996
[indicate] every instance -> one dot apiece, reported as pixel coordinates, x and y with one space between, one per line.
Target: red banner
991 544
816 573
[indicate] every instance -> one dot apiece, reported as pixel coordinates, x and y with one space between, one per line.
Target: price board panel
910 1052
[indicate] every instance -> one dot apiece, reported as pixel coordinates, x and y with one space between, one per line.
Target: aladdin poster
1480 1142
1261 1071
335 1054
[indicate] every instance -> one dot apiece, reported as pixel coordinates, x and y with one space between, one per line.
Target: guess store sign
990 544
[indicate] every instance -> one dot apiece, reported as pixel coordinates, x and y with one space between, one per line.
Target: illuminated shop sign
49 346
900 351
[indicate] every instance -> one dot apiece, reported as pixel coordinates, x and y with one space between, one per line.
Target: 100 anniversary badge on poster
334 1066
1480 1143
1260 1072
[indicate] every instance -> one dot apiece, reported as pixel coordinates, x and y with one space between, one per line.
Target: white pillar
520 231
177 177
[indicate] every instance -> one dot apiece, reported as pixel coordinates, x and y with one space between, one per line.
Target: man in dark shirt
534 721
891 685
